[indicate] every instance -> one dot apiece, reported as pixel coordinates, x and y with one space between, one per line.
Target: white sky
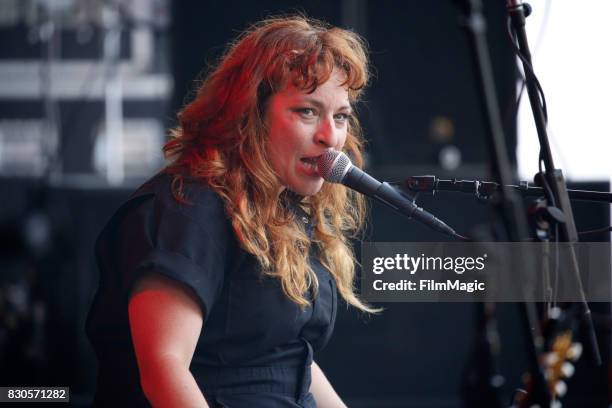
572 57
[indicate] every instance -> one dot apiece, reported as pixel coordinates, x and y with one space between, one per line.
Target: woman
219 275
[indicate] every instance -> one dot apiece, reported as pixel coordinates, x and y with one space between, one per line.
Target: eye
341 117
306 113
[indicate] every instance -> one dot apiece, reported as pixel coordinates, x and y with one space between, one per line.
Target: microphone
336 167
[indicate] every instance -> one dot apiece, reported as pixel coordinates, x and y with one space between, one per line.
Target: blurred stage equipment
84 93
84 87
557 199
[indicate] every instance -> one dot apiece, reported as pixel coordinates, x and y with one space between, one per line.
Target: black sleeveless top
256 345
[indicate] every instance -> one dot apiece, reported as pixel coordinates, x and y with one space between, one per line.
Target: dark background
423 99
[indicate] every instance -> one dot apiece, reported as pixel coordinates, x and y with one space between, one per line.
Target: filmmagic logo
413 264
430 285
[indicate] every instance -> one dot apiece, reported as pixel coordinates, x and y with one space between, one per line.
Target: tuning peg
560 388
575 351
551 359
567 369
555 404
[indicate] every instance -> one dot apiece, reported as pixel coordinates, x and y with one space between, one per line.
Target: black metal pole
511 209
433 184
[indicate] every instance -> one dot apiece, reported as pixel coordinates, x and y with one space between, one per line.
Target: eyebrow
319 105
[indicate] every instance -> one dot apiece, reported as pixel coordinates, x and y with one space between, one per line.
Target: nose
327 134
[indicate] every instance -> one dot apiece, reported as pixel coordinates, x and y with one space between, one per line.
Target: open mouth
310 162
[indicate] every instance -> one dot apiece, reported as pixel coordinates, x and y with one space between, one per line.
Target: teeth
310 162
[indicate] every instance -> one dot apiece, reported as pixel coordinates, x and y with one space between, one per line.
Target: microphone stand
486 189
552 178
509 206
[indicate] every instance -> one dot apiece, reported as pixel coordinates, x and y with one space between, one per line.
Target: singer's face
301 127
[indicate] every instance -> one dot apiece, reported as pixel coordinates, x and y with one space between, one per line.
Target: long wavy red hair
221 141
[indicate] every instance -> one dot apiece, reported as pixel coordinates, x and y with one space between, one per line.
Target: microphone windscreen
333 166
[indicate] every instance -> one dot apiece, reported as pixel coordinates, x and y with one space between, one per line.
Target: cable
596 231
529 71
549 193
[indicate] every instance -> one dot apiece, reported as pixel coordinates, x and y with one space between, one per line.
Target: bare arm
166 321
323 391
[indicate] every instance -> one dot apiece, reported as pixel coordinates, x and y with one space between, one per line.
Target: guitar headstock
556 362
